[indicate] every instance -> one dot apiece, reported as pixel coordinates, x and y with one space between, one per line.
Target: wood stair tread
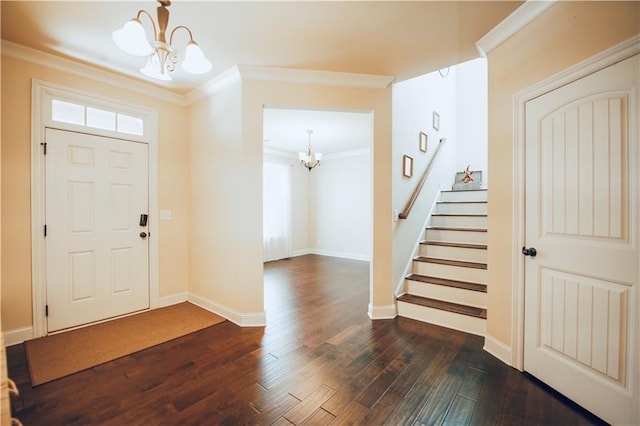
461 263
471 311
454 228
481 288
452 244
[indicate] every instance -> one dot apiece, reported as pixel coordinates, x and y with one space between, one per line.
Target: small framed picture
436 120
423 141
407 166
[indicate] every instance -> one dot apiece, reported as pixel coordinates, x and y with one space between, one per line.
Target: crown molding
520 18
329 78
331 156
278 153
28 54
213 86
343 154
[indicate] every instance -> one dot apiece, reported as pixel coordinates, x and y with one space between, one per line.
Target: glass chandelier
309 159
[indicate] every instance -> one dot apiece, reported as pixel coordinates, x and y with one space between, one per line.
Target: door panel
97 263
581 290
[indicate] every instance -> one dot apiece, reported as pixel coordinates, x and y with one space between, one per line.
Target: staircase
448 286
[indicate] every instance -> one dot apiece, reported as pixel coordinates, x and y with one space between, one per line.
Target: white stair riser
448 294
463 196
454 253
477 326
461 208
460 221
456 236
457 273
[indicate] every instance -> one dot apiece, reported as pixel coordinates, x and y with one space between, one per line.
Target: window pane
67 112
101 119
130 125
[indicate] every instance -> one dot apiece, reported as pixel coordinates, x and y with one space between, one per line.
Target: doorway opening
327 210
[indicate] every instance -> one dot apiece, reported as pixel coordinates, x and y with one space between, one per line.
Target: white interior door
581 289
96 247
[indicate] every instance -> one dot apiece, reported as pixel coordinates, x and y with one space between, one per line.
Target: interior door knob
143 235
529 251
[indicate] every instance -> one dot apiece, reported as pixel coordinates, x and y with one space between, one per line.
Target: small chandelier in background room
309 159
132 39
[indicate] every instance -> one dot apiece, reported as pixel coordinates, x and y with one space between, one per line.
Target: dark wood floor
320 360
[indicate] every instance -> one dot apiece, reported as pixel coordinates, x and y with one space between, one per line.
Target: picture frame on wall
407 166
423 141
436 120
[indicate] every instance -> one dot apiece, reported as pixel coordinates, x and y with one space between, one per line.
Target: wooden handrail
407 209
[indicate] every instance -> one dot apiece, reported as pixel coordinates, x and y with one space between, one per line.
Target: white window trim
42 93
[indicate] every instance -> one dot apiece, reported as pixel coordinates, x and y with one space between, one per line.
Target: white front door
96 247
581 289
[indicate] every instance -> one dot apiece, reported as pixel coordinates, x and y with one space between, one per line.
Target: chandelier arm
153 24
177 28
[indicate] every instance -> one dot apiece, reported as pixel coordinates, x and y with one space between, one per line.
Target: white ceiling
401 39
333 131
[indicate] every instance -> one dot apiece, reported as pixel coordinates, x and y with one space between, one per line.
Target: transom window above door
81 115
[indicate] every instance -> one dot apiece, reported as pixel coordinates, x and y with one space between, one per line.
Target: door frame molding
41 94
608 57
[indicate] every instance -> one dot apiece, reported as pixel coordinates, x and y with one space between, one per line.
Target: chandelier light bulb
154 70
132 39
194 60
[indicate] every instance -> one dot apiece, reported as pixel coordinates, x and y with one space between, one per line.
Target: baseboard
331 253
251 319
382 312
498 349
301 252
173 299
18 335
343 255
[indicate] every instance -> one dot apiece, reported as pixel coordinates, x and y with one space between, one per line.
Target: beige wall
566 34
16 185
226 209
314 96
226 173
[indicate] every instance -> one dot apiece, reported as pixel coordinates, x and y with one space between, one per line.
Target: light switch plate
165 214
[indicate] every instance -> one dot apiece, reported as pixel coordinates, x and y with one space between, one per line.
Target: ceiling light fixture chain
309 159
162 56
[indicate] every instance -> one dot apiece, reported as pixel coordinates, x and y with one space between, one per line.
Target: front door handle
143 235
529 251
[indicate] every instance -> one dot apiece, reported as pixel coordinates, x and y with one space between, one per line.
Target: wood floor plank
411 406
352 387
309 405
436 408
319 344
319 417
472 384
399 389
459 412
277 410
351 415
